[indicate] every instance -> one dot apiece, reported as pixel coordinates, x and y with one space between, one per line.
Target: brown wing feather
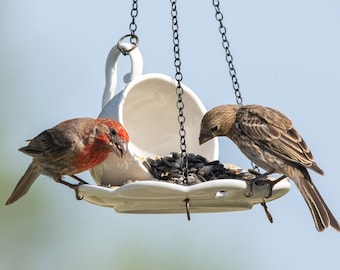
45 145
274 132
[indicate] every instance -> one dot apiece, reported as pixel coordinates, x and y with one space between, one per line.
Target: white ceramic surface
155 197
146 107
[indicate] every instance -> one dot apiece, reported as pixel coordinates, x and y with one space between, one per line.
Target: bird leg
81 181
266 209
259 179
271 185
73 186
66 183
268 182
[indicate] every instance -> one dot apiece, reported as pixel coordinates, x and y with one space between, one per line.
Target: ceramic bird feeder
146 107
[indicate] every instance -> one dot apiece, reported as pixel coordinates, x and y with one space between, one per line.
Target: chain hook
134 40
123 49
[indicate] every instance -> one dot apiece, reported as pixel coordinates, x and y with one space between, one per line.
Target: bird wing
274 132
48 144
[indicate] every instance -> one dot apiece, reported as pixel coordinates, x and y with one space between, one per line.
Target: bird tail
25 183
322 216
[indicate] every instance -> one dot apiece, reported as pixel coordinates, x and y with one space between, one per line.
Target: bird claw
261 180
73 186
270 183
250 184
256 180
78 197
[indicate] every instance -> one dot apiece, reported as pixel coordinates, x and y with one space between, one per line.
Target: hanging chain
133 25
133 28
229 58
179 91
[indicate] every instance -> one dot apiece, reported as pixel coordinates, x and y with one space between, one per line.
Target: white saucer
157 197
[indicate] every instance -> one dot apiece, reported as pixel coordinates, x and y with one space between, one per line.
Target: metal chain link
229 58
134 40
133 25
179 91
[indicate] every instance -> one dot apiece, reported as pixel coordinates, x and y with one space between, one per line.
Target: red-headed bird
71 147
268 139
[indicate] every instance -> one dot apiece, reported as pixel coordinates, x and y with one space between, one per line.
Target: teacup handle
111 69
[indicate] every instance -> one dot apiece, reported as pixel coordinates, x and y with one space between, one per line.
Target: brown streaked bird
267 138
71 147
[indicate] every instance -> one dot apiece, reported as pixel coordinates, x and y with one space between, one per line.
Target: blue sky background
52 61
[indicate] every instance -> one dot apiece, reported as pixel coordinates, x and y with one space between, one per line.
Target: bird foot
73 186
250 184
261 180
270 184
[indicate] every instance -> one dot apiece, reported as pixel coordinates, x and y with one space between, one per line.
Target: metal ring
123 50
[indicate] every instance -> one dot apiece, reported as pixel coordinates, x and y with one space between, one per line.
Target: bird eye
113 132
214 129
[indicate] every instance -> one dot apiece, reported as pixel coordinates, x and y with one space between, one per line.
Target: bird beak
119 148
204 137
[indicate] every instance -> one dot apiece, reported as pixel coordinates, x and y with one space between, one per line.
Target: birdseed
168 169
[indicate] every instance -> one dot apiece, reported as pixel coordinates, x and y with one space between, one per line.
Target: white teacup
146 107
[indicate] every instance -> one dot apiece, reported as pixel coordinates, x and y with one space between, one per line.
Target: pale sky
53 55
